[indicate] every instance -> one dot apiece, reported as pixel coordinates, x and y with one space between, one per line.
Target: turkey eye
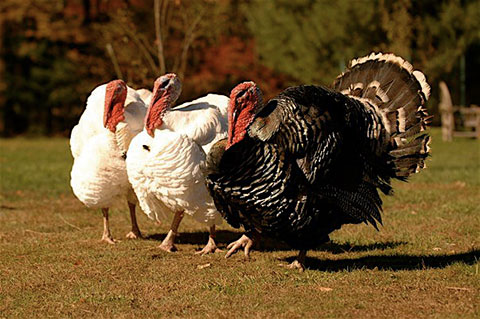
164 83
146 147
242 93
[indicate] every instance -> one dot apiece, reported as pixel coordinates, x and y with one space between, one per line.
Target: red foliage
232 61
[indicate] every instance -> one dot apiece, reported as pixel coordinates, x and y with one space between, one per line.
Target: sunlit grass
423 262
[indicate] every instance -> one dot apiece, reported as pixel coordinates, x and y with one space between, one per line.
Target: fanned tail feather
398 93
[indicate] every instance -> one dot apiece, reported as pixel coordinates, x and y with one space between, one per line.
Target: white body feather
204 120
165 170
99 174
145 95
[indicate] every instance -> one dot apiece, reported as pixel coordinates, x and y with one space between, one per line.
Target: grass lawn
423 263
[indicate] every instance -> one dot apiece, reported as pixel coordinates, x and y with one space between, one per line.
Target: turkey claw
169 248
134 235
209 248
295 265
109 239
243 242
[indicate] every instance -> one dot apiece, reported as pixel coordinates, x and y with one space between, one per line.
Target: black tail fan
398 94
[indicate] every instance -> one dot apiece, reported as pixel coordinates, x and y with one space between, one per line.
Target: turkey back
398 93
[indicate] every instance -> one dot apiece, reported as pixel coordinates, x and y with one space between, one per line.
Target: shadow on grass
199 238
395 262
224 237
382 262
335 248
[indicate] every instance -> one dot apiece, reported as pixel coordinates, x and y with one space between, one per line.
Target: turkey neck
157 110
115 96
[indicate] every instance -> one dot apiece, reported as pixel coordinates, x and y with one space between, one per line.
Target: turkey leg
107 236
135 233
168 242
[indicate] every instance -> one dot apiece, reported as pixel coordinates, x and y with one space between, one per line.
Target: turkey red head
166 91
245 99
115 96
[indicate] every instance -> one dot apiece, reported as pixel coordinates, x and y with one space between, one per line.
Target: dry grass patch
423 263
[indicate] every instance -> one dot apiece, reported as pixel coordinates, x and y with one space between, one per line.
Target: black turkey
313 158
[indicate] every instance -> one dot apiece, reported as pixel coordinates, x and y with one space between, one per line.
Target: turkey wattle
164 160
99 144
313 159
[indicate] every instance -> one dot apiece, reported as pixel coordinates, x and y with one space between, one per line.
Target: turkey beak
115 96
235 115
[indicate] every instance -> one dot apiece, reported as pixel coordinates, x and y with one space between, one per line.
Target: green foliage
312 40
445 33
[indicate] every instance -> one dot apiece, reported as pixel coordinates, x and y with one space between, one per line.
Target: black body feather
314 158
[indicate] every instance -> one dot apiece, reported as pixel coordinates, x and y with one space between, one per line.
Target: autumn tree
161 36
46 64
53 53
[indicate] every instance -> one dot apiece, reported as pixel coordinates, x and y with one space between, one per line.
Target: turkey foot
108 239
298 263
134 235
135 232
107 236
168 243
211 246
243 242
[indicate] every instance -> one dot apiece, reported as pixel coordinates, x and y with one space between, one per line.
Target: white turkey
99 142
163 161
313 159
145 95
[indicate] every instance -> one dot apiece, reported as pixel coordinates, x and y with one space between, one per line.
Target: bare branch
166 13
141 46
148 45
111 53
190 36
160 54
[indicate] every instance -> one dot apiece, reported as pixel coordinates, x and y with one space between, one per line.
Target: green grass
423 263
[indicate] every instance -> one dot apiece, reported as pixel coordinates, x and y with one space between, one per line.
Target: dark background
54 52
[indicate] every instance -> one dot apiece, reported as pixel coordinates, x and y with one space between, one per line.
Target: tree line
53 53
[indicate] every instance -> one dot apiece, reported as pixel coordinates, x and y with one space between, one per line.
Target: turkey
99 144
313 158
145 95
163 161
